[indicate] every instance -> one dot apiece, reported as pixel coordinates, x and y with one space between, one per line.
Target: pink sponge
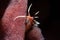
14 29
35 34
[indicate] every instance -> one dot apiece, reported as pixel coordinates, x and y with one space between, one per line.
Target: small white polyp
29 7
36 13
18 17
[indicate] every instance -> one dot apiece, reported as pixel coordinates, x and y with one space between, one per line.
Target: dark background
48 16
